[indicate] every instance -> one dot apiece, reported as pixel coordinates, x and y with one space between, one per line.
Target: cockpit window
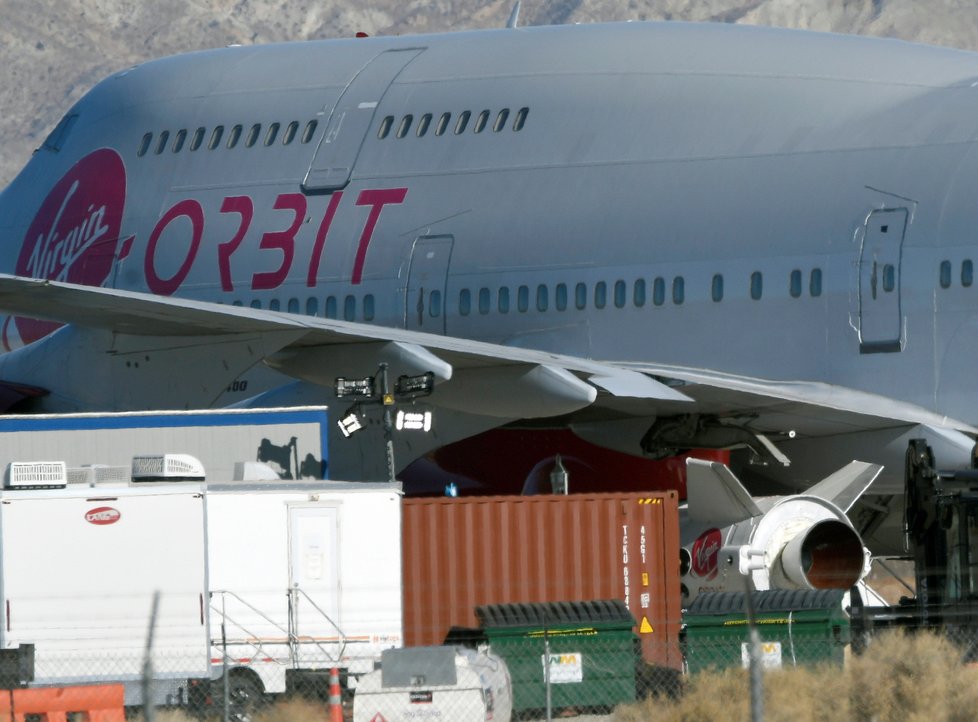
56 139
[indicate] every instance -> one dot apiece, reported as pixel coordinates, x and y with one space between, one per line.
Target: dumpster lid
553 613
417 667
774 600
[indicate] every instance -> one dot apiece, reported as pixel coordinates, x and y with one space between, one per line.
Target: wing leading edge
472 376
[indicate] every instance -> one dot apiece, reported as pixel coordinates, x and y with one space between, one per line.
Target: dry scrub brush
900 678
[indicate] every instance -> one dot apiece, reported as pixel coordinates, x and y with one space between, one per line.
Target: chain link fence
589 671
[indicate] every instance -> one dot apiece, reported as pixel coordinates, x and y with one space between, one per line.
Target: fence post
149 711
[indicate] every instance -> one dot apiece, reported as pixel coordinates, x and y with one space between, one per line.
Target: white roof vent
36 475
99 474
167 467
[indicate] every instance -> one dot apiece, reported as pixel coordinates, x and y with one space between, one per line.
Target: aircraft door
350 120
880 319
313 567
424 298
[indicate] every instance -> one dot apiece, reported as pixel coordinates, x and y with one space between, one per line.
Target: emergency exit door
424 297
880 315
351 119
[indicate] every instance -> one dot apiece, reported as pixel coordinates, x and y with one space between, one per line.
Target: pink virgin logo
74 236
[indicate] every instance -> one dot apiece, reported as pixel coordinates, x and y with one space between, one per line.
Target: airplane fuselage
784 205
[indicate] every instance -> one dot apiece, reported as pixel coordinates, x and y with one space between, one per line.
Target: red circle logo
75 235
706 550
103 515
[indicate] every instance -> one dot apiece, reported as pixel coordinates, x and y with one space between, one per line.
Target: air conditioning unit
36 475
99 475
166 467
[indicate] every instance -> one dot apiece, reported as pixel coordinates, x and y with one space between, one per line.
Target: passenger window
543 298
503 300
293 305
234 136
560 297
405 126
350 308
620 293
756 285
331 305
659 291
253 135
520 120
144 144
463 120
197 139
274 305
443 122
216 137
638 293
522 299
423 124
485 302
815 283
237 303
794 284
309 131
434 304
256 303
464 302
481 121
312 306
368 307
945 274
716 289
678 290
889 277
967 273
500 120
271 134
600 294
290 132
580 296
179 140
161 143
385 127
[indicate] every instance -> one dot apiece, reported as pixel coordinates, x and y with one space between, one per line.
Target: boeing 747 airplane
658 236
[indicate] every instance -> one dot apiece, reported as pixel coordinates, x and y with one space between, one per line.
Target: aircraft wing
472 376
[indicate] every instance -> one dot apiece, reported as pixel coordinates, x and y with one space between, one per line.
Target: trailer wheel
246 695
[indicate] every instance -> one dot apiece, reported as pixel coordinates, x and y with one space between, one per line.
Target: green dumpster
796 627
592 650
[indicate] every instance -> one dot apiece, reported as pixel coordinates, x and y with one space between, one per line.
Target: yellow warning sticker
645 627
645 579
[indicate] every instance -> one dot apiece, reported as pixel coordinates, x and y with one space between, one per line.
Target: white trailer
79 567
305 576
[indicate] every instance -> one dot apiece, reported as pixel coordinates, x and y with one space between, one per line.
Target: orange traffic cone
335 696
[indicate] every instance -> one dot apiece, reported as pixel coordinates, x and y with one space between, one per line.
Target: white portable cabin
304 575
79 567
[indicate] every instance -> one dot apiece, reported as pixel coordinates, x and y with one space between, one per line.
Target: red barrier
101 703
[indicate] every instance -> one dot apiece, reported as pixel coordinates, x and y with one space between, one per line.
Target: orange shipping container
465 552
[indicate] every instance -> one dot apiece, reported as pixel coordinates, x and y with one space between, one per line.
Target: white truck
79 568
305 576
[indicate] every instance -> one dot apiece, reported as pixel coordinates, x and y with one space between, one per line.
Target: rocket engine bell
802 541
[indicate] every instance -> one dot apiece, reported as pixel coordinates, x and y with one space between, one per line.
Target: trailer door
314 569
